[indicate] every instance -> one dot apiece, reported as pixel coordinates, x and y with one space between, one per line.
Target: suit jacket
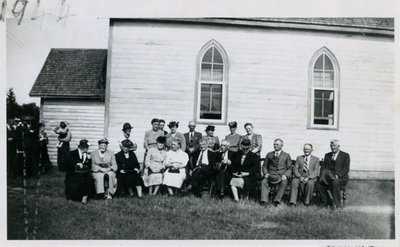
219 158
281 166
340 166
313 167
194 142
127 164
73 159
212 158
251 163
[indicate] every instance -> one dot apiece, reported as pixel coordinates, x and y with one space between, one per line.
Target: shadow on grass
163 217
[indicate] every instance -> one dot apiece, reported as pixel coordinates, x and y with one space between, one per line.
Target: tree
12 105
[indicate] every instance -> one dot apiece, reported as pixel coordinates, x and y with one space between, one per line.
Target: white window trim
336 89
224 83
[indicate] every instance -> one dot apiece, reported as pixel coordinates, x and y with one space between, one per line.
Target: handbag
172 170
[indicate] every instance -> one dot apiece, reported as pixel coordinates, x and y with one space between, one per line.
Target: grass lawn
163 217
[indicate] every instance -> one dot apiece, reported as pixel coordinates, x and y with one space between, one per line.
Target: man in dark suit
78 181
305 173
192 139
245 171
277 169
334 174
223 165
204 169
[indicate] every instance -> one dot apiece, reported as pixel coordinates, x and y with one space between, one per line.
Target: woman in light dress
175 163
155 165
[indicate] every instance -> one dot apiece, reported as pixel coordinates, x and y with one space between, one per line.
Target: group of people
26 148
185 163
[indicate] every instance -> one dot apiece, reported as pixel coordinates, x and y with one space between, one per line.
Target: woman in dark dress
78 181
128 170
44 154
64 137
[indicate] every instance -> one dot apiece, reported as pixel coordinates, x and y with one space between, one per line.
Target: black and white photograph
130 127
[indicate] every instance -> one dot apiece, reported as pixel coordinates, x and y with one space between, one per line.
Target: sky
28 44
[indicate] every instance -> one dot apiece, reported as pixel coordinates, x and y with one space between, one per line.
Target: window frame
335 89
200 82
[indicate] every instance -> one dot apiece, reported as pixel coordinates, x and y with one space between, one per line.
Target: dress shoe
276 203
292 205
262 203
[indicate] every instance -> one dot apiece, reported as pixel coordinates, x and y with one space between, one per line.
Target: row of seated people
235 170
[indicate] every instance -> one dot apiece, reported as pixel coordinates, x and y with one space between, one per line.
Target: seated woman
173 126
245 168
175 163
78 182
128 169
155 165
104 167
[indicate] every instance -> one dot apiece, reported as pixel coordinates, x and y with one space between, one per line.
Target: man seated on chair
334 174
204 169
305 173
223 165
277 169
245 170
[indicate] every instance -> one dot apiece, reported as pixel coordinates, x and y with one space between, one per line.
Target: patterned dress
155 166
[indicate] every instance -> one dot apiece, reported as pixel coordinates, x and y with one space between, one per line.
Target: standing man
233 138
277 169
224 161
192 139
305 173
255 139
334 174
150 136
11 148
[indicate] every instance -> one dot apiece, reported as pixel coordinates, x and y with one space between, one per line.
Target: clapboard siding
153 74
86 118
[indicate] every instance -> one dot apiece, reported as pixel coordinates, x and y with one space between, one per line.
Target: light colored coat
98 175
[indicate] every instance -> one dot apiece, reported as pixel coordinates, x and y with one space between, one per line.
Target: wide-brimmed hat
104 140
210 127
83 143
245 142
274 178
127 126
127 143
232 124
173 124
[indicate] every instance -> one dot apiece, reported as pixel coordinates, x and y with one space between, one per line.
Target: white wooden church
298 79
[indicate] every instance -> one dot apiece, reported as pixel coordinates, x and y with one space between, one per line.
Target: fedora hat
274 178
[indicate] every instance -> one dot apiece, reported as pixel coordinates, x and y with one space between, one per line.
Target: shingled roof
72 73
361 26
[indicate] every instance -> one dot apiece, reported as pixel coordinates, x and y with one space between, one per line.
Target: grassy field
163 217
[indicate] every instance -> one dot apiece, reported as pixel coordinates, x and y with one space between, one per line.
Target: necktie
276 154
243 158
199 161
333 157
191 136
306 164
